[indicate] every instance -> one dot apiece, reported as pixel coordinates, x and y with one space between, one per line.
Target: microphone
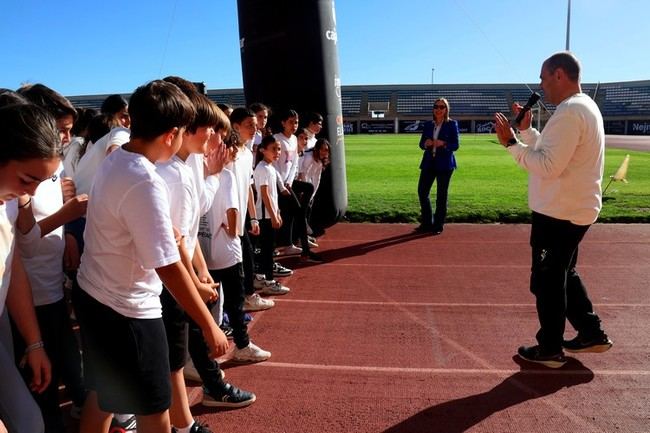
529 104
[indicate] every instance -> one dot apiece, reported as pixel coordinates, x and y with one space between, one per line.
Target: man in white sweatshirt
565 171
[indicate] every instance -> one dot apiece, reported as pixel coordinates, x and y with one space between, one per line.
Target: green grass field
382 176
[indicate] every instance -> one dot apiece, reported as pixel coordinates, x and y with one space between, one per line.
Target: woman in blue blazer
439 141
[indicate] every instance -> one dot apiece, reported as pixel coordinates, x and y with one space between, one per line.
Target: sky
93 47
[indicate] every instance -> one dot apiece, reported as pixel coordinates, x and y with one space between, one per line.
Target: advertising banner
638 127
377 127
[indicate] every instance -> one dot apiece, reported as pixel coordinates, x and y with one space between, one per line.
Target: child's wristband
34 346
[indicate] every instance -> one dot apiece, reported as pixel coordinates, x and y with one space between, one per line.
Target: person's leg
303 192
233 302
442 189
93 419
208 368
248 262
175 322
424 189
267 244
70 356
554 243
580 311
18 410
51 325
287 205
155 423
180 415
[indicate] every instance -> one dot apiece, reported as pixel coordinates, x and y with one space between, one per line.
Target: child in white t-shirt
31 148
225 258
267 183
130 247
185 207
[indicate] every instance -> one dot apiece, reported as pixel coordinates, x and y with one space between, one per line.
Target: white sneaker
290 250
312 243
190 372
272 287
250 353
255 302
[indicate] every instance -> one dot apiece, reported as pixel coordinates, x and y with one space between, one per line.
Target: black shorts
176 324
126 360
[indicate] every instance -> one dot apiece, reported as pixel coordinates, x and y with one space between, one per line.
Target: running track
400 332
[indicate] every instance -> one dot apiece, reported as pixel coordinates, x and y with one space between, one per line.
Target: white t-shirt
8 215
287 164
43 256
565 162
242 168
221 250
183 199
311 170
205 187
92 159
128 235
311 140
265 174
71 156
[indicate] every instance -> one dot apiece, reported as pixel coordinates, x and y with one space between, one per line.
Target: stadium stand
625 105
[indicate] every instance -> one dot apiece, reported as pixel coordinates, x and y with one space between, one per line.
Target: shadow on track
357 249
462 414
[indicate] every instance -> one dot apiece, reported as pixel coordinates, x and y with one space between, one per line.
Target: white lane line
472 266
451 371
438 304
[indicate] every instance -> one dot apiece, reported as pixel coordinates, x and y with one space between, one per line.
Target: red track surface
406 333
399 332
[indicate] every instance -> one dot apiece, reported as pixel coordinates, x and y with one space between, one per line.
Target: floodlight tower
568 24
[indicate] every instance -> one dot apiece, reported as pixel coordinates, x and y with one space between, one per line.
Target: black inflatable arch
290 60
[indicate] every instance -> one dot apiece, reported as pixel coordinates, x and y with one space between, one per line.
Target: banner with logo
377 127
638 127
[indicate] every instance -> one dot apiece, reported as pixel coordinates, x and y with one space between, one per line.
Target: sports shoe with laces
581 344
272 287
123 422
535 354
255 302
250 353
281 271
290 250
230 396
197 427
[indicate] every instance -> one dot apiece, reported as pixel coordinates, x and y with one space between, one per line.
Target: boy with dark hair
130 248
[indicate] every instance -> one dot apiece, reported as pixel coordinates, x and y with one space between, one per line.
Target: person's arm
252 212
276 220
426 141
231 217
205 290
177 280
21 308
293 171
199 263
549 158
70 211
451 137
